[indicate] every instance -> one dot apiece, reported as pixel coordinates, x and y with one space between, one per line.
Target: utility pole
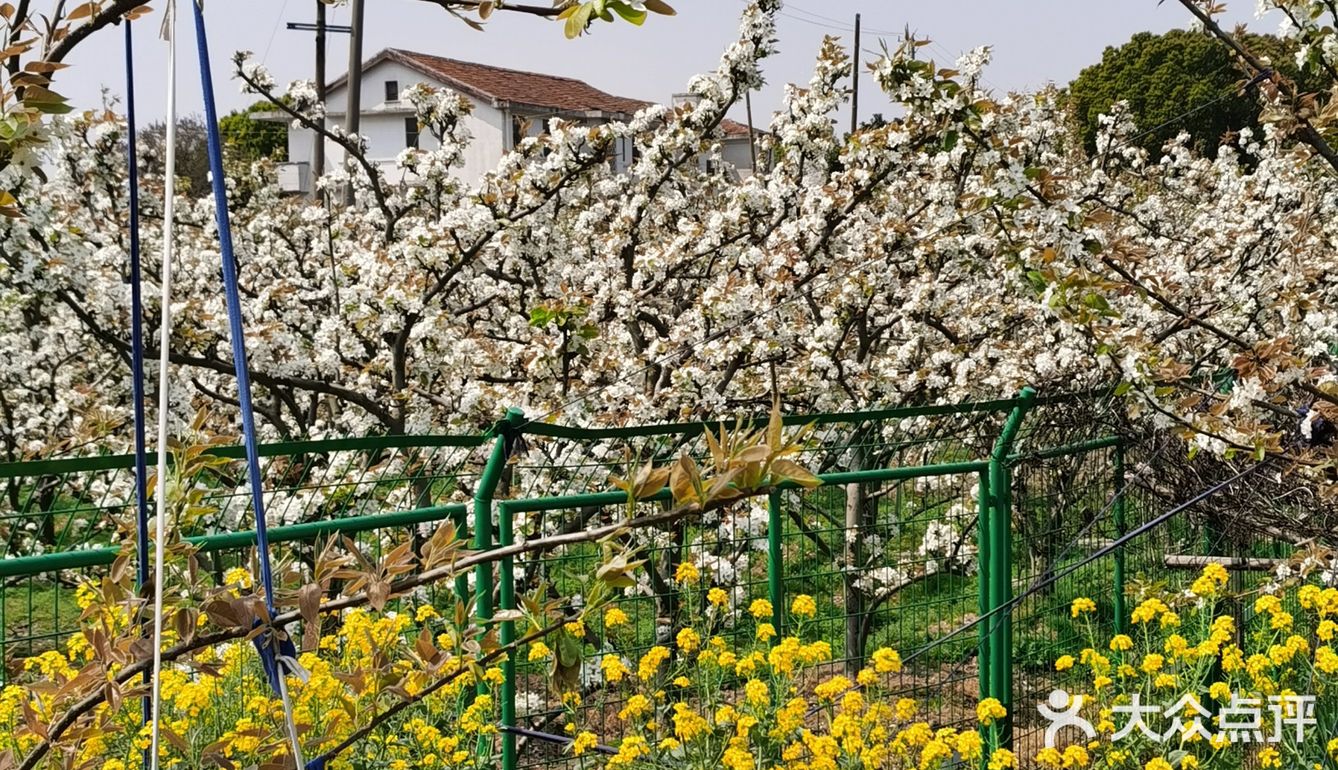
752 141
353 104
318 156
320 28
854 96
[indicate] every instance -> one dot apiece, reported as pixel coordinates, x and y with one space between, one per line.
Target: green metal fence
926 520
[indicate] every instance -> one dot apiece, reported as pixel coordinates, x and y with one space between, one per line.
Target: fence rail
925 518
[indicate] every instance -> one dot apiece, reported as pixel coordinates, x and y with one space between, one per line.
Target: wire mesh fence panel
88 504
893 564
599 670
56 505
927 521
1063 512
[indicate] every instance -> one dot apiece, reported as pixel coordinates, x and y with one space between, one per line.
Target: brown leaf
754 454
183 620
378 593
82 12
775 425
224 613
652 484
788 470
425 648
309 605
33 723
174 739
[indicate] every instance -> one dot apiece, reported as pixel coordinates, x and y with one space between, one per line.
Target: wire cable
272 650
164 383
137 350
264 58
795 8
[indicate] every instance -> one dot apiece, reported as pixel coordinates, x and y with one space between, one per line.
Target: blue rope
264 643
137 343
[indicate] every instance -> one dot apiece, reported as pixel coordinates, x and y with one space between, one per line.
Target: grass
37 618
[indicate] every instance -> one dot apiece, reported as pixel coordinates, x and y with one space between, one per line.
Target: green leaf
629 14
1096 302
540 317
53 108
579 20
660 7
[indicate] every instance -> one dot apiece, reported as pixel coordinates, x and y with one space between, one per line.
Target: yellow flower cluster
770 704
222 701
1182 650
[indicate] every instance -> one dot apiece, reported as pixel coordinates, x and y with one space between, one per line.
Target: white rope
284 664
164 345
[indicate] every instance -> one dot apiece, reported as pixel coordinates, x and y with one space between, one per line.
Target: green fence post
461 520
4 635
1001 567
483 577
506 600
983 532
775 568
1118 514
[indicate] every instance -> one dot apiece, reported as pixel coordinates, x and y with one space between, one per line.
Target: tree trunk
853 567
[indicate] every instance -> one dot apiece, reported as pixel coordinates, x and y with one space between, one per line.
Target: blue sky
1033 41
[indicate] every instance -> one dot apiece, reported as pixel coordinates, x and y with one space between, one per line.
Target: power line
825 25
791 6
265 56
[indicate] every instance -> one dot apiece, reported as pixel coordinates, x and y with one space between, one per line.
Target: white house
508 105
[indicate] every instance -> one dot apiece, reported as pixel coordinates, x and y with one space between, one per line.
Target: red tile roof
529 89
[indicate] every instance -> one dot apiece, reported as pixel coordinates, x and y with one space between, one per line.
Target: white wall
735 152
382 123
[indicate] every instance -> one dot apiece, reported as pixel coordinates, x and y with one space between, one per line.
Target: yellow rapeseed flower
688 640
650 662
989 710
886 660
1049 757
804 606
584 741
613 668
1076 756
1082 605
687 574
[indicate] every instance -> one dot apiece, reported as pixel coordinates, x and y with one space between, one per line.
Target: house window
411 133
392 90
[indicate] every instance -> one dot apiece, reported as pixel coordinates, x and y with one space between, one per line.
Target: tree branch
1306 132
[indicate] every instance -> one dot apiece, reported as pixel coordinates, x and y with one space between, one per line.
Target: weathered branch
1306 132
